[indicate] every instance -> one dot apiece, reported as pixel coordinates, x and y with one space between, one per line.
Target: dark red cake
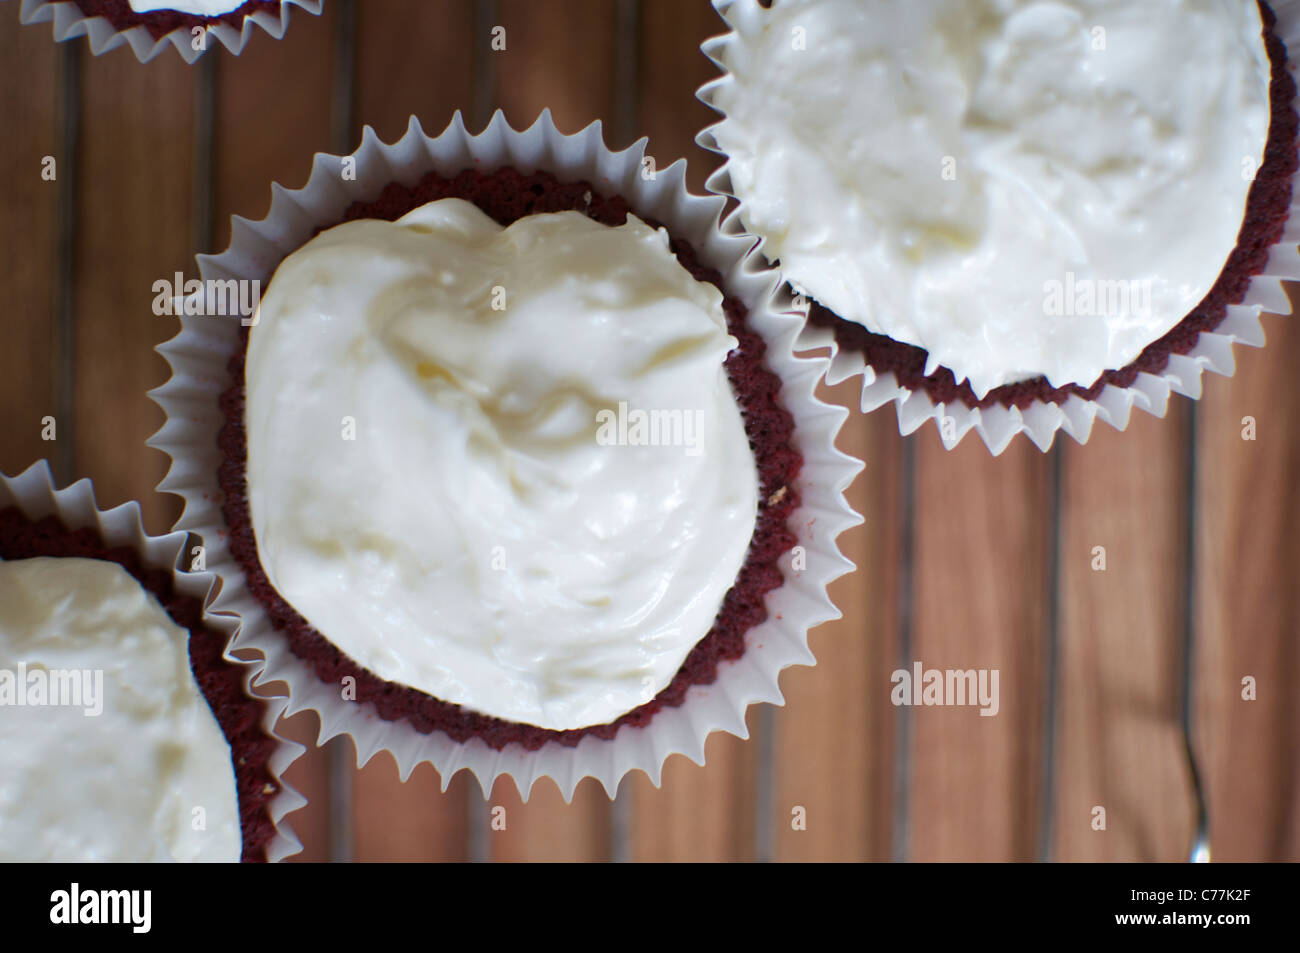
220 681
507 195
161 22
1267 208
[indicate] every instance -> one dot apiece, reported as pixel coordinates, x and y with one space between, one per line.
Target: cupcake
128 735
516 469
150 26
1013 216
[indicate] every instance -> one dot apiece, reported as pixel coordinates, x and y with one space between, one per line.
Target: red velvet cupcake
146 743
385 693
1020 227
150 26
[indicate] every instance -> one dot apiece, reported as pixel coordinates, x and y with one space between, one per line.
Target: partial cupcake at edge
1010 215
504 461
150 26
128 735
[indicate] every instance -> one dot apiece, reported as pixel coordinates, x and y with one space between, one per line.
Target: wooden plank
538 36
132 229
981 534
396 822
27 243
1248 551
1119 742
672 68
414 57
698 813
545 828
558 54
422 67
272 114
980 585
834 738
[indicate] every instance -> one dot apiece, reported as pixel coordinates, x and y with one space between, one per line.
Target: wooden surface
964 561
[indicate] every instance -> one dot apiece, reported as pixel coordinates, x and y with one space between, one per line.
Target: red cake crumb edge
1268 207
161 22
506 195
221 682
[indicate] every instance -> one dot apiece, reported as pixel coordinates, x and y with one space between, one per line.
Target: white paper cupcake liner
998 425
33 492
199 356
70 22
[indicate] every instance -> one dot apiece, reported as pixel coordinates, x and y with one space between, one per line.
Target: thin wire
478 827
765 784
343 102
340 762
620 823
1199 852
627 65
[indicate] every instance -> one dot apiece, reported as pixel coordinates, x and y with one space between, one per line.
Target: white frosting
199 8
962 175
121 784
478 540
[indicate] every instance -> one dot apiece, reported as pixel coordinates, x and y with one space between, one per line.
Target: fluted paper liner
998 425
34 493
71 22
199 355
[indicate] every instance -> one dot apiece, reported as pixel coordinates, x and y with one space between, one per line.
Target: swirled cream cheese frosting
110 751
503 466
198 8
1022 188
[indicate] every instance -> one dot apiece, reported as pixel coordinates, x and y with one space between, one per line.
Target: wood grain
1248 601
834 737
542 34
545 828
699 813
414 57
272 116
1121 633
980 588
411 821
980 543
137 125
670 71
28 243
537 35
